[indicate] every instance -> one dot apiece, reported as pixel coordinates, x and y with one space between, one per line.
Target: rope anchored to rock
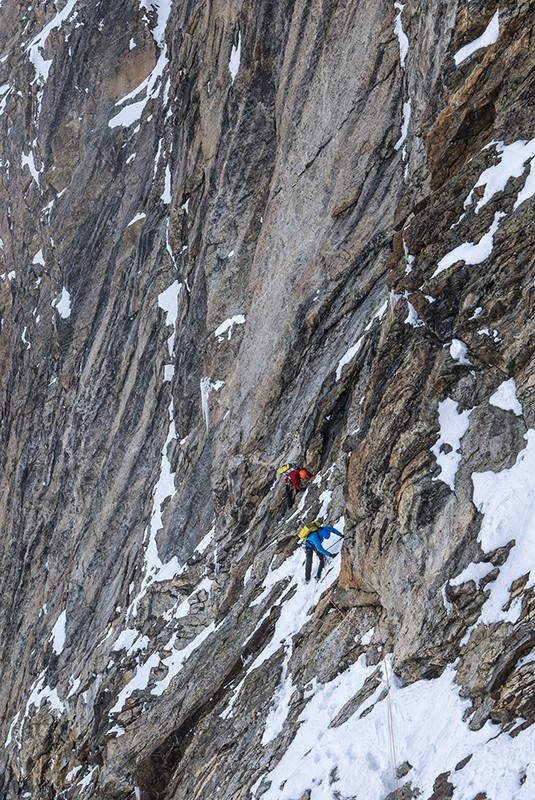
392 736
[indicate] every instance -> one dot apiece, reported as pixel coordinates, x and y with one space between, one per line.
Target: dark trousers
290 495
308 563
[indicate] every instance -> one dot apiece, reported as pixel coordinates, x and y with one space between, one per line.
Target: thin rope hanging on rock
392 736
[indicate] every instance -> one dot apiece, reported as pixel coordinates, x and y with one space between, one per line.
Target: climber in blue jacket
313 544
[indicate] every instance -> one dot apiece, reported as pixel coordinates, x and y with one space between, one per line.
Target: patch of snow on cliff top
488 37
453 426
471 253
57 637
235 58
507 501
505 397
227 326
36 46
62 304
512 163
429 733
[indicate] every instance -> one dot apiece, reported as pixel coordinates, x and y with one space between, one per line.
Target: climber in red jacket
294 481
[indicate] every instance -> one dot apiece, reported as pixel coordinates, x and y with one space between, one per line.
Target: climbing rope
388 689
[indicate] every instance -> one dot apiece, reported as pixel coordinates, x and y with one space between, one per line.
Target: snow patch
453 426
37 45
175 661
166 196
168 301
154 570
529 187
139 682
58 634
162 8
130 640
235 58
29 161
512 164
488 37
137 218
5 91
41 693
62 304
458 351
505 397
39 259
507 501
405 125
471 253
325 499
424 713
412 317
348 356
409 259
402 36
207 386
205 541
474 572
228 325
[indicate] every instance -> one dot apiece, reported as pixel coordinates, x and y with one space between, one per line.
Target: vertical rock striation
235 235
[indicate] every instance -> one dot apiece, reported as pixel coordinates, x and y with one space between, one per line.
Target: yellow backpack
306 529
282 470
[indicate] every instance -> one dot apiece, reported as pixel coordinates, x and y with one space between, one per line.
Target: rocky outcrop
235 236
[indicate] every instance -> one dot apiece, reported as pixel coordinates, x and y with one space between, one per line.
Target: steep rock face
231 239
